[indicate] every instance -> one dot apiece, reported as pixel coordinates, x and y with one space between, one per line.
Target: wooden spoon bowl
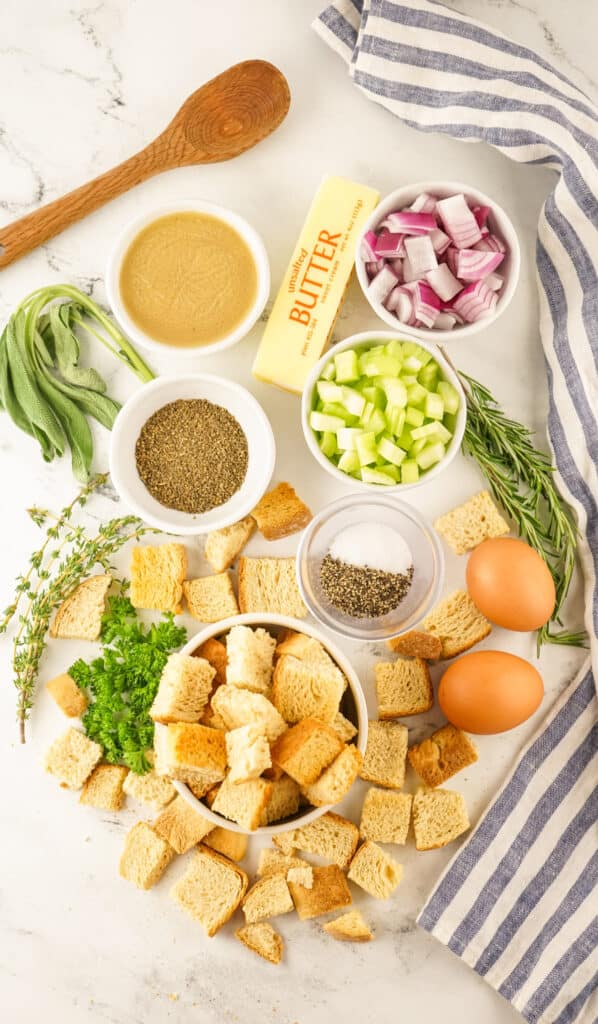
220 120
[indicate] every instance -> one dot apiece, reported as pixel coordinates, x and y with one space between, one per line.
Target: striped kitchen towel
518 901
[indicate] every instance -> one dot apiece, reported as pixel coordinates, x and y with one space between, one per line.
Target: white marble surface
83 86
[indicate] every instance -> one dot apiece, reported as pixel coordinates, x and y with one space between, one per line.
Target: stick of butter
312 290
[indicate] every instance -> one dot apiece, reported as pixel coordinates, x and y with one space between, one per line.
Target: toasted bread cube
104 787
185 685
385 753
300 646
181 825
329 891
330 836
270 585
214 652
70 699
283 800
191 753
243 802
263 940
303 689
349 927
467 525
442 755
284 841
79 617
457 623
230 844
211 889
273 862
385 816
403 688
336 781
373 870
416 644
305 750
248 753
250 653
242 707
343 727
223 546
303 876
439 816
151 789
281 513
211 598
268 897
157 574
145 856
72 758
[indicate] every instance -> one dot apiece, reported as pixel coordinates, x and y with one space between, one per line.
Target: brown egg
490 691
510 584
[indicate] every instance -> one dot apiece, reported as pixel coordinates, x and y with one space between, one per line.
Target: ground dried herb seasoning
360 591
192 455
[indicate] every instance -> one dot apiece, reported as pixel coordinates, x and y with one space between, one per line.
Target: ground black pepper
192 455
360 591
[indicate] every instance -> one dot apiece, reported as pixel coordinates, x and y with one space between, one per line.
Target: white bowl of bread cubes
283 727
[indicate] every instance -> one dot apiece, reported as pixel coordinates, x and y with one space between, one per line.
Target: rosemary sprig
521 478
52 575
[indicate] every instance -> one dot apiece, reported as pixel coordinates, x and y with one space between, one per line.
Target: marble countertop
84 85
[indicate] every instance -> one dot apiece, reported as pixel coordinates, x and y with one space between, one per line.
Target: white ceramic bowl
365 340
151 397
510 267
353 706
243 228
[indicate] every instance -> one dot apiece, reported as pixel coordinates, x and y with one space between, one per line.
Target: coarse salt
373 545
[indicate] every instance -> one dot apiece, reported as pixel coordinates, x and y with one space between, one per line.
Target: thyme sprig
521 478
67 556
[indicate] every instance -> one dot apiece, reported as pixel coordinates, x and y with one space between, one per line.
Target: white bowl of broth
188 276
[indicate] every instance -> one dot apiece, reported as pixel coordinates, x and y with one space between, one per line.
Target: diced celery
450 421
379 365
395 391
405 440
442 434
329 392
429 376
449 396
392 471
320 421
336 409
353 402
411 348
367 411
329 371
417 447
414 417
375 422
349 462
394 348
430 455
366 448
328 444
408 379
412 364
395 419
376 476
416 395
409 471
434 407
375 395
345 438
391 452
428 430
346 365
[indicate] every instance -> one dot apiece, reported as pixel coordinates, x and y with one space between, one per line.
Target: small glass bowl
428 564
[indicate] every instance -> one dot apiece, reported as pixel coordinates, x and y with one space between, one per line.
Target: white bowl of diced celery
379 411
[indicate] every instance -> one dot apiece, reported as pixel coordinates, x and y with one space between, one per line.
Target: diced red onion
444 322
409 274
490 244
397 266
440 241
424 203
409 223
374 268
426 304
390 245
404 310
368 245
494 282
393 300
382 284
451 258
444 283
421 255
458 221
474 264
475 302
481 214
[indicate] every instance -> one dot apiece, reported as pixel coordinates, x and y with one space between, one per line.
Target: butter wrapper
313 287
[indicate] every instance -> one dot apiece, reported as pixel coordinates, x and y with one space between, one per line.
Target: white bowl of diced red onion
439 260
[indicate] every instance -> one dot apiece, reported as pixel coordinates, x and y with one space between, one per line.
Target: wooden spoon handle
35 228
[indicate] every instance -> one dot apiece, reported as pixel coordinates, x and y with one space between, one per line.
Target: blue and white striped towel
518 901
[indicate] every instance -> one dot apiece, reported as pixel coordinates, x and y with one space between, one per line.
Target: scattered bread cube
442 755
243 802
263 940
211 889
457 623
301 646
467 525
303 689
151 789
211 598
157 574
306 749
330 836
329 891
70 699
274 862
284 841
183 691
223 546
230 844
270 585
403 687
79 617
349 927
268 897
190 752
145 856
336 781
214 651
104 787
302 876
283 801
343 727
373 870
439 816
250 653
72 758
385 816
181 825
416 644
385 754
248 753
281 513
242 707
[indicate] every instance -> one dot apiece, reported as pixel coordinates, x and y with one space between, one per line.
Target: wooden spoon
223 118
